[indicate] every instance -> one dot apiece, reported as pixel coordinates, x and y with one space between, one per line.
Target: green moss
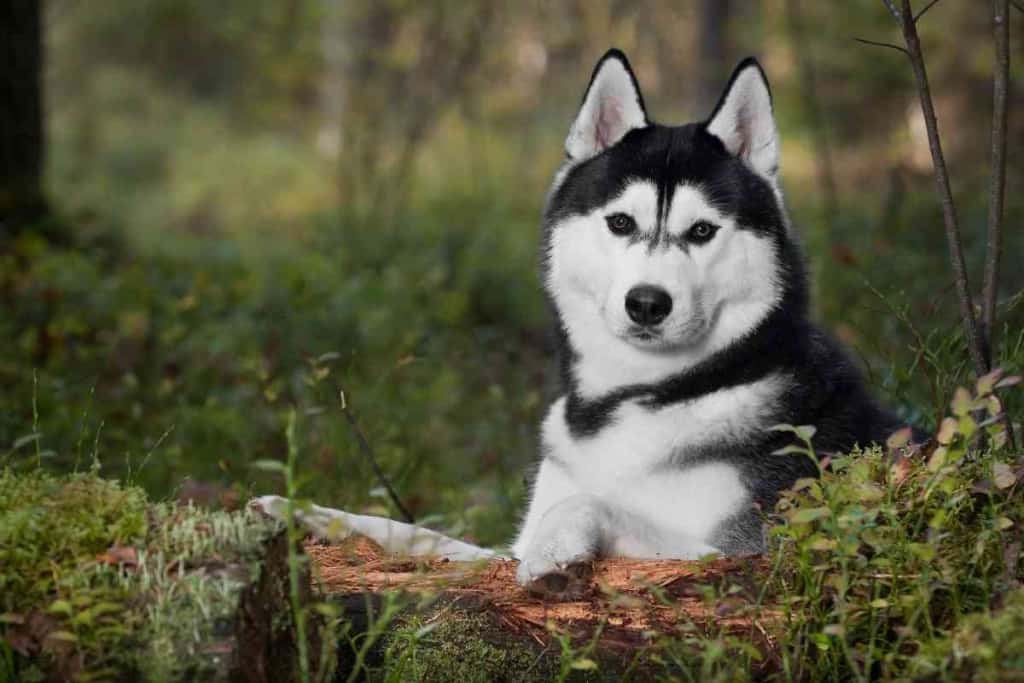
49 525
456 647
163 614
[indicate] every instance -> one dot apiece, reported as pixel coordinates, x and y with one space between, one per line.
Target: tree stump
265 647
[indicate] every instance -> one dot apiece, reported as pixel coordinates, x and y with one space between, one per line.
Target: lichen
196 564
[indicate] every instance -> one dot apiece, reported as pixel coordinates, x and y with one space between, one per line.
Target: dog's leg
394 537
551 486
582 528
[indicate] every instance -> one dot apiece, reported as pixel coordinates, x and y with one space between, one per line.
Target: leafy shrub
890 549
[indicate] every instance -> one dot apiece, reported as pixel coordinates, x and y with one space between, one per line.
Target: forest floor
903 566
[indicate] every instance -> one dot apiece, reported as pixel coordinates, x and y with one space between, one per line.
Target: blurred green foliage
278 200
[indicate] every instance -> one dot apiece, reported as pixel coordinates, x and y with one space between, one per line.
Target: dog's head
665 240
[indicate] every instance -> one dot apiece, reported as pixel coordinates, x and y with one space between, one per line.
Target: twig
926 8
997 185
997 180
367 451
878 44
975 343
892 9
1011 558
1018 5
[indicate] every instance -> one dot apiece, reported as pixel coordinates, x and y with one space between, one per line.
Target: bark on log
265 649
472 608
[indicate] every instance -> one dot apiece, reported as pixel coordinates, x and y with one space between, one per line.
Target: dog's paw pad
570 583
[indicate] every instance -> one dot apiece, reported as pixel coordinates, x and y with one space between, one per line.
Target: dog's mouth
644 334
646 337
659 339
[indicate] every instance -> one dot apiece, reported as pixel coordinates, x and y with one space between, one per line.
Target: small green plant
890 548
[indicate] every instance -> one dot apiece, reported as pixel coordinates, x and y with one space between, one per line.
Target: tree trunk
21 116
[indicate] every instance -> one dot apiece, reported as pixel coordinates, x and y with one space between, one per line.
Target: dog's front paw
271 506
558 562
554 582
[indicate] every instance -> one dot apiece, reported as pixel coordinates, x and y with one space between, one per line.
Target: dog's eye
620 223
701 232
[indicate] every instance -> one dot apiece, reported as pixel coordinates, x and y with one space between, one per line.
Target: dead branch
367 451
879 44
926 8
997 184
891 5
975 342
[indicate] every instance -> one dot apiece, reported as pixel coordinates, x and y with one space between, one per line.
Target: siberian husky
680 300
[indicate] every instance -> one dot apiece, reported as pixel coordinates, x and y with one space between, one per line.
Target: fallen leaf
1004 475
119 555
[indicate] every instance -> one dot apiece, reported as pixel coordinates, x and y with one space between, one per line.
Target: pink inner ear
609 123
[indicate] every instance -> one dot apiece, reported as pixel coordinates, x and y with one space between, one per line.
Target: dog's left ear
743 119
612 107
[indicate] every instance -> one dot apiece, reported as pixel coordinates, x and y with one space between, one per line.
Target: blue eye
620 223
701 232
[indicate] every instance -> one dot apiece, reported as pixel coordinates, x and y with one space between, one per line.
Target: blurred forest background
254 204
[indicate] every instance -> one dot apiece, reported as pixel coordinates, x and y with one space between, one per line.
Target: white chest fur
638 461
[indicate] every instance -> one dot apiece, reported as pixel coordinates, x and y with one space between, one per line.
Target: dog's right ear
612 107
744 122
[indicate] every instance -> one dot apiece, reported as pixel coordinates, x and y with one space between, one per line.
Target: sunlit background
275 200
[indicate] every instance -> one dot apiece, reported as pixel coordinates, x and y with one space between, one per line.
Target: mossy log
471 621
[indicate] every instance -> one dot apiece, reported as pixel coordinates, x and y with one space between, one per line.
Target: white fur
611 108
623 482
627 489
744 123
720 290
395 537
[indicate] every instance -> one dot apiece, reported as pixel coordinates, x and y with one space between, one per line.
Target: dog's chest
642 442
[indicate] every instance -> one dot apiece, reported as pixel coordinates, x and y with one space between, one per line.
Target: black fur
827 389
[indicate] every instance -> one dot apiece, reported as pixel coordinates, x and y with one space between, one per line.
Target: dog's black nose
648 305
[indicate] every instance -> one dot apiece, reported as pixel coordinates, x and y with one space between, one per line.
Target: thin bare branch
367 451
1018 5
972 333
892 9
878 44
926 8
997 180
997 184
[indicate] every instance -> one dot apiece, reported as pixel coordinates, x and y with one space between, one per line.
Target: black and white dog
681 303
